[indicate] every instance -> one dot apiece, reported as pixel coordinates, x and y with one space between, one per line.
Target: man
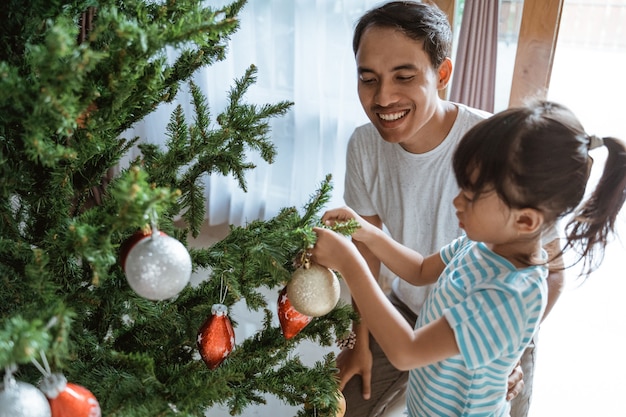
399 176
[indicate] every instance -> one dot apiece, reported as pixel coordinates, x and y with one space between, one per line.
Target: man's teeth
392 116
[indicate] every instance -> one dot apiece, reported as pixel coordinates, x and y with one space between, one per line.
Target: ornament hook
9 370
224 288
45 369
153 223
305 258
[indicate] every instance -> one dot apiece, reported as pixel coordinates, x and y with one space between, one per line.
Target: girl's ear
444 72
528 220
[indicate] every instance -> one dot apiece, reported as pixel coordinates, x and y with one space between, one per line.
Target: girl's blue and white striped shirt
494 310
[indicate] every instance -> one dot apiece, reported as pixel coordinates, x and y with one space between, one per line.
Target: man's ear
444 72
528 220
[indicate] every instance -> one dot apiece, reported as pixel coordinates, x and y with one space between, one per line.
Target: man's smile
391 117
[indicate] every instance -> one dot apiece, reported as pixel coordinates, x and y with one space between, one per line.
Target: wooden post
448 7
535 50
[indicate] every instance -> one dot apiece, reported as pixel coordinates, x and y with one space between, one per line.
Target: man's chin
388 136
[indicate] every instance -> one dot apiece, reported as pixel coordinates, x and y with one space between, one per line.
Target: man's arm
556 275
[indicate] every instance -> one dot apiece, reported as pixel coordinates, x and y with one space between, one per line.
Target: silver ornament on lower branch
20 399
313 290
158 267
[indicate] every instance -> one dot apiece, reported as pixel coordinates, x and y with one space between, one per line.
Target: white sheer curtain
303 51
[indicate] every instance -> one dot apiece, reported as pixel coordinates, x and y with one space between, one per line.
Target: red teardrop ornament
291 321
216 337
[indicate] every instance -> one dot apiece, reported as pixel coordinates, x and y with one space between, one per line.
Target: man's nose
385 93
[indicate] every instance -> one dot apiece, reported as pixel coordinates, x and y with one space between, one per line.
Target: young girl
519 172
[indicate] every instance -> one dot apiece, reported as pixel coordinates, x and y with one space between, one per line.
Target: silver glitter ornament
313 290
20 399
158 267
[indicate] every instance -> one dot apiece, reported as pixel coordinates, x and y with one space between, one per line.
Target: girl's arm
406 263
405 347
358 361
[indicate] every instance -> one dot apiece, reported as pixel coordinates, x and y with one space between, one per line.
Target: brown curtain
474 75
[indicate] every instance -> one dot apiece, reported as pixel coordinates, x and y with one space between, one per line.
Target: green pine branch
66 208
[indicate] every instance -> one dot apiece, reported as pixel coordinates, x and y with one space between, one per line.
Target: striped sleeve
494 320
451 249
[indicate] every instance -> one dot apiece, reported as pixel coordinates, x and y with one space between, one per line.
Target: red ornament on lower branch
216 338
67 399
291 320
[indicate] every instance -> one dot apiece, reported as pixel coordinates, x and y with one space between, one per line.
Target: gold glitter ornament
313 290
341 411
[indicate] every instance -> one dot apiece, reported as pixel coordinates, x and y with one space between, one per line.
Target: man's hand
516 382
353 362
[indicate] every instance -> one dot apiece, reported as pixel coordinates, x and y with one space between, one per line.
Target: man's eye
367 80
406 77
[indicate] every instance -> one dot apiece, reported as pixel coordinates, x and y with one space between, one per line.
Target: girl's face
487 219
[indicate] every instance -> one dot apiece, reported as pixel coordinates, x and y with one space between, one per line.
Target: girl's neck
521 254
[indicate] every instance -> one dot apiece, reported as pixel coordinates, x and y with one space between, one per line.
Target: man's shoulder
471 114
365 136
365 130
466 118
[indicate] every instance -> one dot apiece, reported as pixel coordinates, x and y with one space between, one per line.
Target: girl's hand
332 249
342 215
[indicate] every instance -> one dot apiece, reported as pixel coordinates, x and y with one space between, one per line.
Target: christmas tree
75 75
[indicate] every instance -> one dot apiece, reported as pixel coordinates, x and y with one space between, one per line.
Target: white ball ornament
20 399
313 290
158 267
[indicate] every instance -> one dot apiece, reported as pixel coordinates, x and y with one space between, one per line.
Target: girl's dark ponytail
592 224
